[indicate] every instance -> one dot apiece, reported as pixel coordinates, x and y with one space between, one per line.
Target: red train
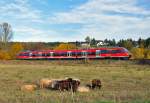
99 53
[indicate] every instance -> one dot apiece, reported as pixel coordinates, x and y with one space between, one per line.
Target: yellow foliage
147 54
4 55
65 46
15 49
138 53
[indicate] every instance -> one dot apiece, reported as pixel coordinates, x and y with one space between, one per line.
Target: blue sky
71 20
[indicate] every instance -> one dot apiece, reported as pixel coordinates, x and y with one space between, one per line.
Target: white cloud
102 17
20 10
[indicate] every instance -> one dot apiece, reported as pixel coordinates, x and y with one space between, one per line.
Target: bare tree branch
6 33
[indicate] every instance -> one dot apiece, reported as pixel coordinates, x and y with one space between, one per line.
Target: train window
47 54
104 51
63 54
43 54
91 53
73 53
84 53
25 54
79 53
39 54
56 54
34 55
115 51
125 50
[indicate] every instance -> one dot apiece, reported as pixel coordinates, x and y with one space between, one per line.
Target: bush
147 54
4 55
138 53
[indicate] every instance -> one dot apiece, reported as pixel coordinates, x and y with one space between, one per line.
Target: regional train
98 53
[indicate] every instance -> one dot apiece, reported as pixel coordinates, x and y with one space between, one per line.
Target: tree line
140 48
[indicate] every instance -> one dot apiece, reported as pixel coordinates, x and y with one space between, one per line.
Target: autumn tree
15 49
65 46
4 55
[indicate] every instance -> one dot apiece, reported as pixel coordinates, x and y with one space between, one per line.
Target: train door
98 53
51 54
30 55
69 54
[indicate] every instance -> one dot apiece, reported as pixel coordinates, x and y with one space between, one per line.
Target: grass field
122 81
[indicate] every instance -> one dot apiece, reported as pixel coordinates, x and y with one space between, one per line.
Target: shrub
4 55
147 54
138 53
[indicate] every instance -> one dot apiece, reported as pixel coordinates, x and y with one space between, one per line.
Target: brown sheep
95 83
44 83
29 87
67 84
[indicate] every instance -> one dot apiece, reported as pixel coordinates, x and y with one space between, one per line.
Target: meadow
122 81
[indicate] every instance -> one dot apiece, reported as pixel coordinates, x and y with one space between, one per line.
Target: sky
73 20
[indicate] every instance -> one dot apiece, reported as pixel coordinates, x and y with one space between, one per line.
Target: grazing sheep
44 83
29 87
53 83
83 89
67 84
95 83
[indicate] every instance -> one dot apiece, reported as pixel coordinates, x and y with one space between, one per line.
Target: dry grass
123 81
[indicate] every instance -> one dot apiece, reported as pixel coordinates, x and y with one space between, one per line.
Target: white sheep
83 89
29 87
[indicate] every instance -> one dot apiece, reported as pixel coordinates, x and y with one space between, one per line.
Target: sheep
44 83
83 89
29 87
95 83
66 84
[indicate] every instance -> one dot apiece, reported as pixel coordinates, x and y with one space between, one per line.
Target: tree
65 46
87 39
4 55
15 49
5 33
110 42
93 42
147 43
126 43
141 43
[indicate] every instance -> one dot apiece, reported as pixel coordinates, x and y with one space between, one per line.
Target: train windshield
125 50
